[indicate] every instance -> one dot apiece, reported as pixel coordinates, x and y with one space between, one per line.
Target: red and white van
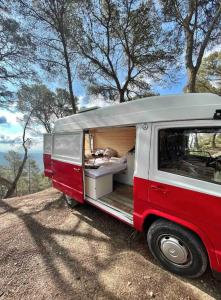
155 164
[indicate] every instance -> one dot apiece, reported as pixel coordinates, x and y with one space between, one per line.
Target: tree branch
207 37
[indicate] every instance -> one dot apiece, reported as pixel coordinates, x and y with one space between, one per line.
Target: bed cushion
108 168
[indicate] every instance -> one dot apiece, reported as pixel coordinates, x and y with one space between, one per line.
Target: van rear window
191 152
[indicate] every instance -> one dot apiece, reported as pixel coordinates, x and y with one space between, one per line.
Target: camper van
153 163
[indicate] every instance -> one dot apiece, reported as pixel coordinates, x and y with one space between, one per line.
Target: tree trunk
191 71
122 99
214 140
68 69
196 142
191 83
13 186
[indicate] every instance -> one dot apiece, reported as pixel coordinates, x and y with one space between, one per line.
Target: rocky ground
48 251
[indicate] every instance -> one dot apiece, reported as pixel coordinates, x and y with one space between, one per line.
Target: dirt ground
48 251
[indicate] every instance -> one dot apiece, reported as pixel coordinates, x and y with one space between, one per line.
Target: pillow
99 151
109 152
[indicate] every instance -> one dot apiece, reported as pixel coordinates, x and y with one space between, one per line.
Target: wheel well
150 219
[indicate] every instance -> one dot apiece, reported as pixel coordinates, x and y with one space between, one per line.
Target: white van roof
150 109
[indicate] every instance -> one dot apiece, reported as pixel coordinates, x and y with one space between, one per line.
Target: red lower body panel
196 211
68 178
47 165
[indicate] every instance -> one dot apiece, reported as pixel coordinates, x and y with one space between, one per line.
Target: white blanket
107 168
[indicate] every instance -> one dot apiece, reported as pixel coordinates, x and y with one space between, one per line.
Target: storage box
98 187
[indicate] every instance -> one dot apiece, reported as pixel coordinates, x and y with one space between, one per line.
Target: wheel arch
151 217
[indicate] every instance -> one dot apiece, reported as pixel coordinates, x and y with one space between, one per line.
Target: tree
16 53
14 160
25 145
31 179
209 76
54 18
62 105
197 24
46 106
4 183
123 46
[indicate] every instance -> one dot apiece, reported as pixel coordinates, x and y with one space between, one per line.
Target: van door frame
175 179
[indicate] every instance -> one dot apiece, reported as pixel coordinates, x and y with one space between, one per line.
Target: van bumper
216 275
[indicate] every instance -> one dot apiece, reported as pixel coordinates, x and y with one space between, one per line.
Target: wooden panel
120 139
121 197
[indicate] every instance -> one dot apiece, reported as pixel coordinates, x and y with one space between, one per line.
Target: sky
11 126
10 121
11 130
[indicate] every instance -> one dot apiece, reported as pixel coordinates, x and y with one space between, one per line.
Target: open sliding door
67 164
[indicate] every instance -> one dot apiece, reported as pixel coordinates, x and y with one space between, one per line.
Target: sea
37 156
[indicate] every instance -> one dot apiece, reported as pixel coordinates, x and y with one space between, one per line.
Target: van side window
67 145
191 152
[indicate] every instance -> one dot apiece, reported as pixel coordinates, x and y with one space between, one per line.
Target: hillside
48 251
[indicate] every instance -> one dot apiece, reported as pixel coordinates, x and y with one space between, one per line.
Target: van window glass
68 145
47 143
191 152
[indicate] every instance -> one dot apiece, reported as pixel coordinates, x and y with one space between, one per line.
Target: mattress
106 169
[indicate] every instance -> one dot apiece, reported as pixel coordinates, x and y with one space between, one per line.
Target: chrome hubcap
174 250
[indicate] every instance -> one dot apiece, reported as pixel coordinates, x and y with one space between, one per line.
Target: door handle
77 169
159 188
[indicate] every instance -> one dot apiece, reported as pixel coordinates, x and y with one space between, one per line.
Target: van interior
109 158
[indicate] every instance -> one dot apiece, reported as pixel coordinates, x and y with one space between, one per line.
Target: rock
129 283
151 294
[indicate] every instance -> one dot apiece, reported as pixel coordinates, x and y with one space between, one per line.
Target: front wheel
70 201
177 249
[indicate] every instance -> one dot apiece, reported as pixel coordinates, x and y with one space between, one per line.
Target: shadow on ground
114 235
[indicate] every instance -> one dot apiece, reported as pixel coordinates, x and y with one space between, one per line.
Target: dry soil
48 251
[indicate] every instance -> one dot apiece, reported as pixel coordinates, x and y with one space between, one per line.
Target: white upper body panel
151 109
47 143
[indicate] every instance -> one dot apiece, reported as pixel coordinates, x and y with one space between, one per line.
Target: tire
177 249
70 201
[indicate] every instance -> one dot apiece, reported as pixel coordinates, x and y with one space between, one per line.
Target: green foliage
196 17
124 47
14 160
197 25
51 23
46 106
32 179
209 77
17 51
